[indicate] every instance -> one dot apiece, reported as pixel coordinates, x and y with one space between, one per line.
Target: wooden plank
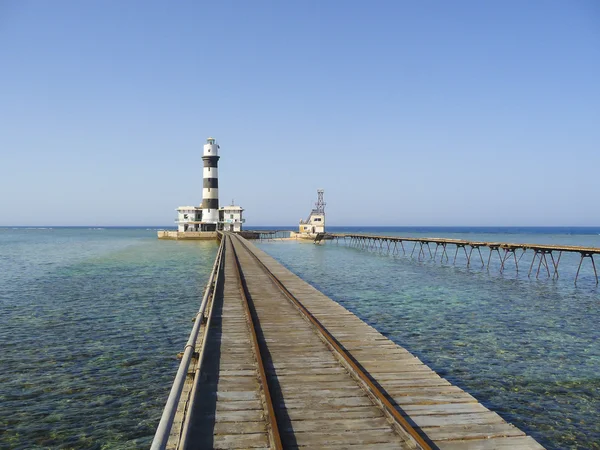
505 443
414 382
238 406
358 412
234 441
435 420
472 431
241 427
317 440
443 408
338 425
238 415
396 391
433 399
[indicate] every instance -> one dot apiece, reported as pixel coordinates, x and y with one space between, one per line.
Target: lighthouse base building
230 218
202 222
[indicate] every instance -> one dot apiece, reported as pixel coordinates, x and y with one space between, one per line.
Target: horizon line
345 226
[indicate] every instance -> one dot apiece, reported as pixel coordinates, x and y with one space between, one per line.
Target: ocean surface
91 321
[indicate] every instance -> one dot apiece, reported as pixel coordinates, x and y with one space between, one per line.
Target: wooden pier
273 363
264 235
543 255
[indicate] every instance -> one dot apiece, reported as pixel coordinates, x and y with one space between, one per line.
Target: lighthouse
210 187
203 222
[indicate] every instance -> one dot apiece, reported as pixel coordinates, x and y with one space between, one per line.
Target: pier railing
167 419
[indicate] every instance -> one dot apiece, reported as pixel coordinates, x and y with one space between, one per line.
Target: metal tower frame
320 202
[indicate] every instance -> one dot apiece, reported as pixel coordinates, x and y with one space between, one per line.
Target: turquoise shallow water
529 349
91 321
90 325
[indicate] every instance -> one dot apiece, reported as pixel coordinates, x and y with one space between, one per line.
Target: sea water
91 321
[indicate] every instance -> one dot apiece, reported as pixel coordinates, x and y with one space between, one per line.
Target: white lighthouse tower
210 188
203 222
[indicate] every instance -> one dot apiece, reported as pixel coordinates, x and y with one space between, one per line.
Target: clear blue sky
406 113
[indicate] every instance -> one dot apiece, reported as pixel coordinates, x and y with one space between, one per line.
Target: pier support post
535 254
556 264
443 245
586 255
492 248
473 247
459 246
544 261
507 253
428 248
444 252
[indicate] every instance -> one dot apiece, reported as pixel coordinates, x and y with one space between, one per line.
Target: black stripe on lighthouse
210 161
211 183
210 203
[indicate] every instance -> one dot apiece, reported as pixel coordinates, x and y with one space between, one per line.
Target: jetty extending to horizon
543 254
271 362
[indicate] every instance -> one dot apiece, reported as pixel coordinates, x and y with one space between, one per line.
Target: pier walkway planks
318 401
229 412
